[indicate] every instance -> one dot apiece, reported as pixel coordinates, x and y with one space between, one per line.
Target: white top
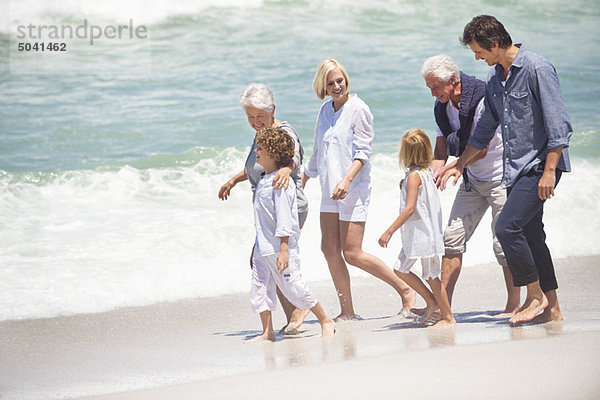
488 168
275 216
340 138
422 233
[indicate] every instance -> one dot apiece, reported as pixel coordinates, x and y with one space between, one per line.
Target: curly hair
277 143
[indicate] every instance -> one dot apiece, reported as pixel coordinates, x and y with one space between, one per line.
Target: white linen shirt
340 138
488 168
275 216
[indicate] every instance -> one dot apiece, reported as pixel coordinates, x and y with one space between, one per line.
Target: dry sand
194 349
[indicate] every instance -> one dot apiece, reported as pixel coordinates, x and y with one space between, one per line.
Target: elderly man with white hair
458 106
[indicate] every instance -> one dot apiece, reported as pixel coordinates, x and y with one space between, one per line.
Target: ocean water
112 153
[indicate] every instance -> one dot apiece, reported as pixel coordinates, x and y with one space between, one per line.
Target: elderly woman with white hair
258 103
342 149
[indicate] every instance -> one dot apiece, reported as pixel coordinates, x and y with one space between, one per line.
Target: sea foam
91 240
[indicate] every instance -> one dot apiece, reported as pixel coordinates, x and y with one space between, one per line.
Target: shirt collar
517 62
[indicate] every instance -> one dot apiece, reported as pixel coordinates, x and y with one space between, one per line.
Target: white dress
422 234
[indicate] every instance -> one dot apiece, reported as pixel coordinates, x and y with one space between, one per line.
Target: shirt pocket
519 103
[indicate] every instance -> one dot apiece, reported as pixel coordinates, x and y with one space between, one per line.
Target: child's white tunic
275 216
422 234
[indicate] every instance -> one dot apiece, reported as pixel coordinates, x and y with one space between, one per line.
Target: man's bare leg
441 298
451 267
535 303
552 312
513 295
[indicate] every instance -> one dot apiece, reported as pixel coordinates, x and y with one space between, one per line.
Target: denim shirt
531 112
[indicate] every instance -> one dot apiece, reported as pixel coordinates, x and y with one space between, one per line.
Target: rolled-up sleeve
557 123
363 134
283 213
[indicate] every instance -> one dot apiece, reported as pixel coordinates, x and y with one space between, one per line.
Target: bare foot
429 311
409 298
507 313
444 322
296 321
421 311
261 338
328 328
298 317
548 315
405 312
347 317
530 310
291 329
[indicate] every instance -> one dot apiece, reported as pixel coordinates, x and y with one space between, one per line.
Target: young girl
276 259
420 223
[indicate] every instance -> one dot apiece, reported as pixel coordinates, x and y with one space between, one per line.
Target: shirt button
505 92
506 109
505 126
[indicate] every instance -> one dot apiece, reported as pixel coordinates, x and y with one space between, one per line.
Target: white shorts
353 208
266 278
432 268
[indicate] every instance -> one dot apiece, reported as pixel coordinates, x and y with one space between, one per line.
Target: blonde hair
277 143
415 149
320 81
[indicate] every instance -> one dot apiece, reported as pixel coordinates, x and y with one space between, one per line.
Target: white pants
432 268
266 278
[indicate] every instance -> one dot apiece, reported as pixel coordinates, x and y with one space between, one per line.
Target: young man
522 96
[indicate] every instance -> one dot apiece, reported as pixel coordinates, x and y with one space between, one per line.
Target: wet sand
194 349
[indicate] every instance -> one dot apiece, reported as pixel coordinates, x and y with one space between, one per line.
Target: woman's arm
412 191
340 191
226 188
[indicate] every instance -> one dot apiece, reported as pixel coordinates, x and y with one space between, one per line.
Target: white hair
442 67
259 96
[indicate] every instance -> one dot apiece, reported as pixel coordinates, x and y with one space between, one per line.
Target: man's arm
468 156
440 154
548 179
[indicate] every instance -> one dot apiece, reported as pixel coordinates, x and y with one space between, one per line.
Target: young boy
276 259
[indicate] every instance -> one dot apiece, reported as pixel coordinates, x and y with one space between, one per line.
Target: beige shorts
353 208
467 211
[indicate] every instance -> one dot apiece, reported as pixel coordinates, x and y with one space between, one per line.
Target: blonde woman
341 153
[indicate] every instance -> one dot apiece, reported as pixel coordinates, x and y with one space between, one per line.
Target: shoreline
194 348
